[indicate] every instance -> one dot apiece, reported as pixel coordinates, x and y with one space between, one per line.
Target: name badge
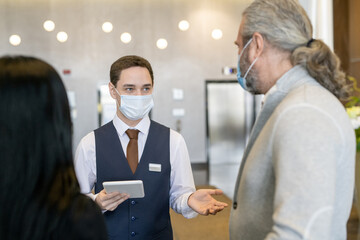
154 167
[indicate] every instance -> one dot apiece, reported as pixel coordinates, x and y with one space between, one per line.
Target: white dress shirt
181 177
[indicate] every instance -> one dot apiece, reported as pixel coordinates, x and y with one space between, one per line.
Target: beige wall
191 57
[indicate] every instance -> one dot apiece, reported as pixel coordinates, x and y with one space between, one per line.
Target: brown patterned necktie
132 149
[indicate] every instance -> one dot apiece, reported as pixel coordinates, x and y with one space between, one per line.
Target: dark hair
38 180
128 62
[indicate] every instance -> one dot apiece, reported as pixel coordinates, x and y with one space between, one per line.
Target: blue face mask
242 80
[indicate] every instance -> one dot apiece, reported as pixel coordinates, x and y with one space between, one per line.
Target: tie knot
132 133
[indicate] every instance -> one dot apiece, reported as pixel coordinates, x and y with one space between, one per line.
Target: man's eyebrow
128 85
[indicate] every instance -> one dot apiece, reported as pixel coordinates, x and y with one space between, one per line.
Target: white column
321 15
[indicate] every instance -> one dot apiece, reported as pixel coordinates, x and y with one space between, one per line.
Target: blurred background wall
84 60
190 58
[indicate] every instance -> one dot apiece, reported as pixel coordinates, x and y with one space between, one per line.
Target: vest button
235 205
133 202
133 218
133 234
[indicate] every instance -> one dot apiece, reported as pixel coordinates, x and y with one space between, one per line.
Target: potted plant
353 110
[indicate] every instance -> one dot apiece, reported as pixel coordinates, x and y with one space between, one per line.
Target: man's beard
252 79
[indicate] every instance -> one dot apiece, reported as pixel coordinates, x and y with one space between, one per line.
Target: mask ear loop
117 94
250 67
252 62
242 51
247 44
115 89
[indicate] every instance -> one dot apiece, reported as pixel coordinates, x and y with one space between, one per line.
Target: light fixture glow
107 27
125 37
184 25
49 25
161 43
62 37
15 40
216 34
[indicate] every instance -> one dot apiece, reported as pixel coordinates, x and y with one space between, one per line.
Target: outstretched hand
203 203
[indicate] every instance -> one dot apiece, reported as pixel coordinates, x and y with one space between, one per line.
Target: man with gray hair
296 179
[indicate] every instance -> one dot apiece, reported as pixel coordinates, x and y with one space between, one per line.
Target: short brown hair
126 62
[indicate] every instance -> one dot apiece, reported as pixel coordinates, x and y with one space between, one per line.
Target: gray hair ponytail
286 26
323 65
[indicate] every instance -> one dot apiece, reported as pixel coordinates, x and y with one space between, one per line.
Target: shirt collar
297 75
143 126
271 90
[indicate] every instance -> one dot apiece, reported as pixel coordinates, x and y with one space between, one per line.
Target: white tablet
134 188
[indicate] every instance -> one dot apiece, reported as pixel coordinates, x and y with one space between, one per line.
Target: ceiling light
161 43
107 27
125 37
62 36
49 25
184 25
15 40
216 34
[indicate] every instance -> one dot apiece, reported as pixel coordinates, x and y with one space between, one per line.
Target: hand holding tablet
134 188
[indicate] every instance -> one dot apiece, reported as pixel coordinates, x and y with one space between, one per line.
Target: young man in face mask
162 162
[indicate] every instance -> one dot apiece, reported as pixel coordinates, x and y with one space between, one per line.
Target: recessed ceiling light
184 25
107 27
125 37
216 34
15 40
49 25
62 37
161 43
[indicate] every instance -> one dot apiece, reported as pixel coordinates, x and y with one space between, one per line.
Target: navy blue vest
138 218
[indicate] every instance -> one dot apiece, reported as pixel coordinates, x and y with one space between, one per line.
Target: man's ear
112 91
257 50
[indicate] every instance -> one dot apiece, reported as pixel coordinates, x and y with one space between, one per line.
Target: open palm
203 203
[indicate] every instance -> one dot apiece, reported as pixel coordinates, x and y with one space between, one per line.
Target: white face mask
135 107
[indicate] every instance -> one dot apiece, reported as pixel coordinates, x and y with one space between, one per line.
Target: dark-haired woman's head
35 139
